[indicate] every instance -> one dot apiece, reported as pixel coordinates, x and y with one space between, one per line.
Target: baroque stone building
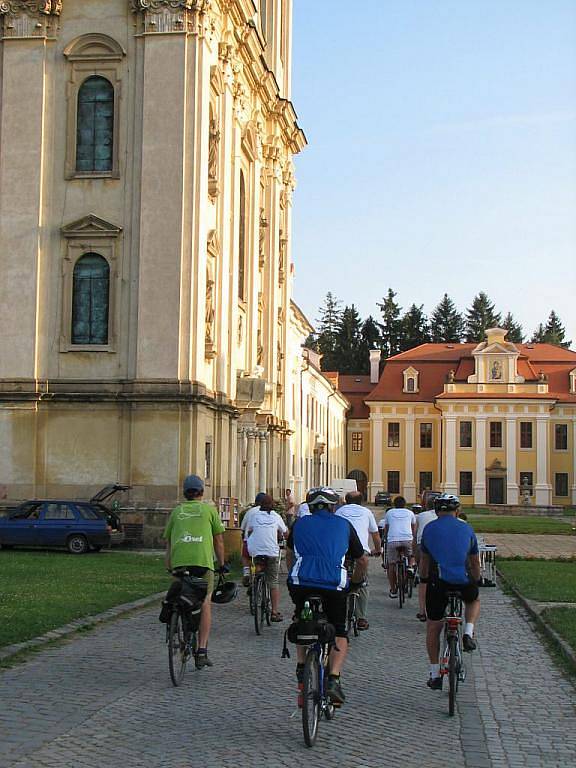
146 184
494 422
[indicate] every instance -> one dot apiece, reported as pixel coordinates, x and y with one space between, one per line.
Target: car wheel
77 544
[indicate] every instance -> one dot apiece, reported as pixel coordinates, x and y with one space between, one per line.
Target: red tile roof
435 361
355 389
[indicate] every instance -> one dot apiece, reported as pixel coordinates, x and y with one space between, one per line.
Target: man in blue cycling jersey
449 562
318 546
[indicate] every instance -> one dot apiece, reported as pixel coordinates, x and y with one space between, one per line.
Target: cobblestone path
105 700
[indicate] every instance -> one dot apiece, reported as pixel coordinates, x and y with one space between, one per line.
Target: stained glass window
95 126
90 300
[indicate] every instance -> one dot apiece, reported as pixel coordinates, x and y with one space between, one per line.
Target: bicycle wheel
409 584
400 586
311 698
452 673
258 607
177 651
266 605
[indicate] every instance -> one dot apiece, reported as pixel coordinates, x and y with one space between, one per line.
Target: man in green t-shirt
194 536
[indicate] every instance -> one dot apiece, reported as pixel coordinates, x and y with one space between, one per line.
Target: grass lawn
543 580
563 620
44 590
513 524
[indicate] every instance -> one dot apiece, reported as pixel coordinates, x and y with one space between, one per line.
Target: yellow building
146 183
493 422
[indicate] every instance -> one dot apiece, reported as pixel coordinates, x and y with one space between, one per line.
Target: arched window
242 239
95 126
410 385
90 300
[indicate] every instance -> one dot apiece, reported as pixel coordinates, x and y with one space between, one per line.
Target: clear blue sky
442 154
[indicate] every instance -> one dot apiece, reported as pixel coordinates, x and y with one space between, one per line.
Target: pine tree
311 342
369 339
349 341
415 328
552 333
328 323
446 323
480 317
391 325
515 333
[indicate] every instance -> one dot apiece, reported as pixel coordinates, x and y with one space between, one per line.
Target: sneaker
202 660
276 617
421 616
435 683
468 643
393 595
334 691
362 624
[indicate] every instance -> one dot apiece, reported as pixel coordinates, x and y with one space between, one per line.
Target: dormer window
573 382
411 376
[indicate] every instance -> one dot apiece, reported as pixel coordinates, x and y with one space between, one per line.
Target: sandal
421 616
276 617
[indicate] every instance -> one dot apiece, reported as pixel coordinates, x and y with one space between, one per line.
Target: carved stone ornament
213 146
262 239
29 18
190 16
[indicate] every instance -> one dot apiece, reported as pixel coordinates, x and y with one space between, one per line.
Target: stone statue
496 370
451 376
209 317
214 142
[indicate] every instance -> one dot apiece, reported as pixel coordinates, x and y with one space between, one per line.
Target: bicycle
260 598
182 627
352 606
404 576
451 663
315 702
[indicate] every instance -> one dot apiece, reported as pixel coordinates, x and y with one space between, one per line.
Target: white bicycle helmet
321 497
446 502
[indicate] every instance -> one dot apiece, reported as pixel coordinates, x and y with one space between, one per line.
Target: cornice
28 19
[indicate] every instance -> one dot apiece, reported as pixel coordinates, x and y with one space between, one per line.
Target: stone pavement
532 545
105 700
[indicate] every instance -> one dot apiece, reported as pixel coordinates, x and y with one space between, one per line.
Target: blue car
79 526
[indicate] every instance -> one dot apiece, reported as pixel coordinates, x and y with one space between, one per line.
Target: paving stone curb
549 631
74 626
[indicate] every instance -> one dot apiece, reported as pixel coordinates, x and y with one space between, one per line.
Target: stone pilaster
262 460
542 489
409 487
450 485
480 479
511 448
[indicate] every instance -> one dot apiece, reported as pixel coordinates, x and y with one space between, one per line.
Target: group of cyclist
327 556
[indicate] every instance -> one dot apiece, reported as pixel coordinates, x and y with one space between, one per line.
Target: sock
202 651
469 629
245 570
434 670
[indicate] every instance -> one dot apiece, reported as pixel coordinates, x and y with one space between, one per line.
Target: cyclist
194 533
364 523
449 563
399 527
422 520
263 530
317 548
243 527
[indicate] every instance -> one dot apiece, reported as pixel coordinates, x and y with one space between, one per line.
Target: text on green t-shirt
189 530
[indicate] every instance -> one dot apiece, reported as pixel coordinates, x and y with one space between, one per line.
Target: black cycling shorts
334 604
437 600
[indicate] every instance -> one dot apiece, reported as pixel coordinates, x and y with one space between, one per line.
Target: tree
391 325
515 332
415 328
328 323
369 339
446 323
552 333
349 341
480 317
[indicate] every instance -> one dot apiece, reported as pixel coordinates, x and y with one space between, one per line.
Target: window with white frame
411 376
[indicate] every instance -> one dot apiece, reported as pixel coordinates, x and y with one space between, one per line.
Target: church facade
493 422
146 183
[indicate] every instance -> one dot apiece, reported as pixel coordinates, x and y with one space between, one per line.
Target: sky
441 154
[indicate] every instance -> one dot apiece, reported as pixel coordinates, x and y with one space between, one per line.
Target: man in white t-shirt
422 520
262 532
399 529
244 527
364 523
